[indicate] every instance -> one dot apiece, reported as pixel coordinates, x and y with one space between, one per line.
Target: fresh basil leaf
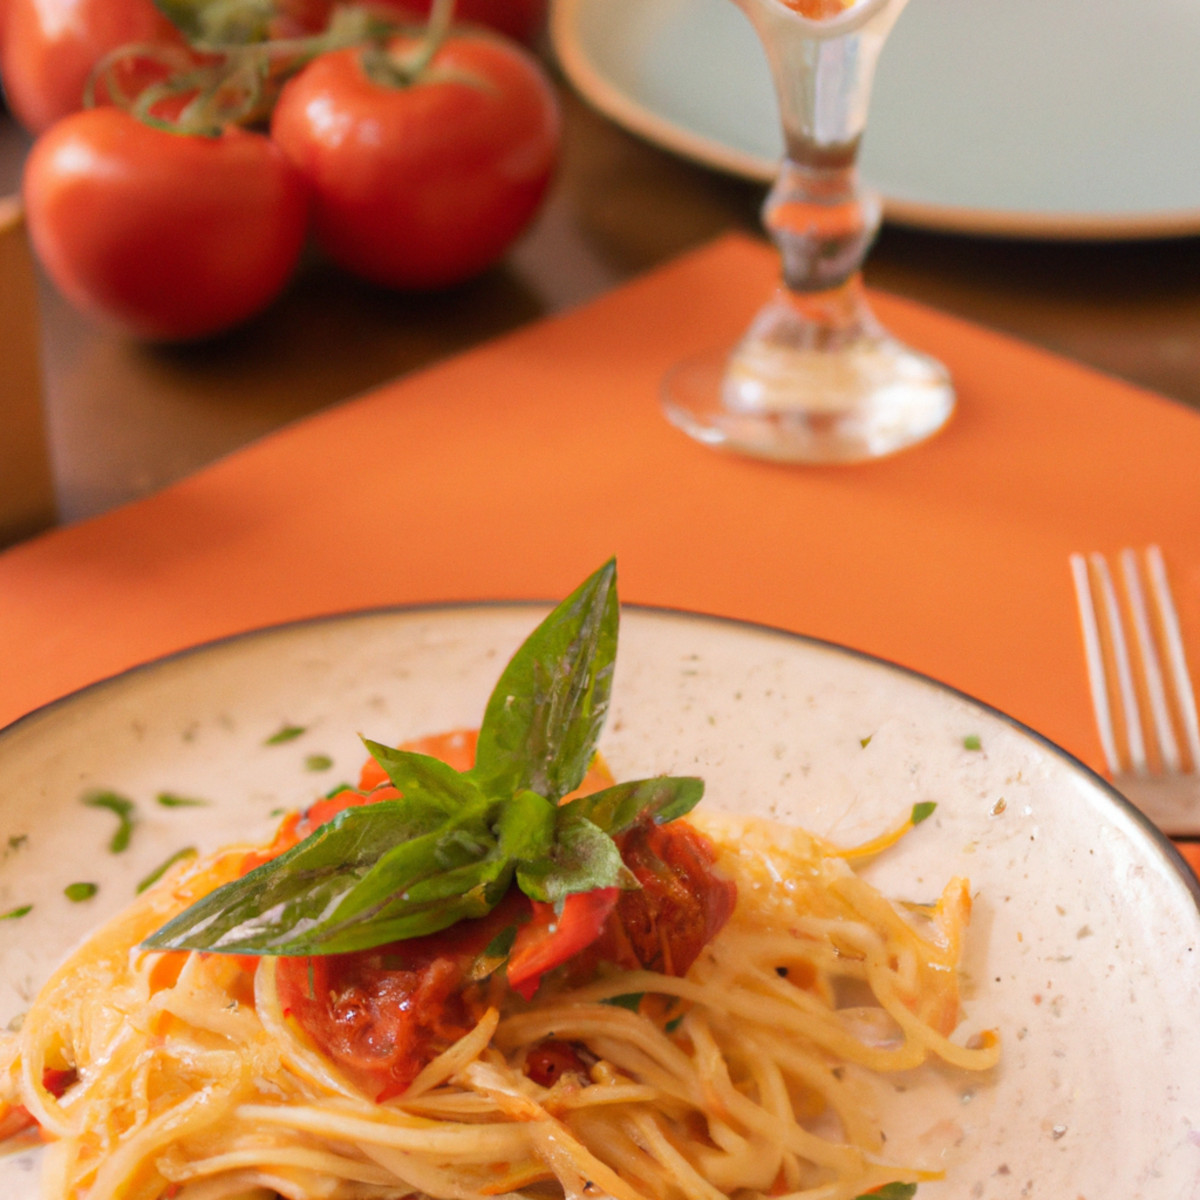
620 807
450 846
438 784
526 828
582 859
294 903
544 716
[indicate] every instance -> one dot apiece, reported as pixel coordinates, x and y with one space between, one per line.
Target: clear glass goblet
816 378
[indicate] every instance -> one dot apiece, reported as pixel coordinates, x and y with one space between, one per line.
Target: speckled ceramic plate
1076 119
1085 944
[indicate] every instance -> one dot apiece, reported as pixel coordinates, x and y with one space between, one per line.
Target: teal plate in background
1070 119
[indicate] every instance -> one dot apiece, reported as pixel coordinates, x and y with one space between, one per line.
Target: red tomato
49 48
519 19
523 20
168 236
425 185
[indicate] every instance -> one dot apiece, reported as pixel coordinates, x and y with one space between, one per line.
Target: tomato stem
207 86
401 68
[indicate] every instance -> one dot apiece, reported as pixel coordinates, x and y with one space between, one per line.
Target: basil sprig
454 843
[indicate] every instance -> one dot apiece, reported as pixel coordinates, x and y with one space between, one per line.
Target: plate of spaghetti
453 902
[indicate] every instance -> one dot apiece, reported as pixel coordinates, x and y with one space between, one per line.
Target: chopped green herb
77 892
631 1001
673 1024
171 800
318 762
288 733
336 791
922 811
123 809
14 913
864 742
972 742
17 840
891 1191
163 868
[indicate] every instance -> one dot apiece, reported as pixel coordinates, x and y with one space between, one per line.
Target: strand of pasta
800 1015
577 1169
317 1162
366 1124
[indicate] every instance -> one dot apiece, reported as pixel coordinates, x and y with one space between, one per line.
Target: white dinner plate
1071 119
1084 948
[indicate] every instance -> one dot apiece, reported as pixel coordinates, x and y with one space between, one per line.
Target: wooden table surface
125 419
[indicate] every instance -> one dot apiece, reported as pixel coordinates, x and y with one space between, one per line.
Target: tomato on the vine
522 20
170 236
519 19
424 183
49 48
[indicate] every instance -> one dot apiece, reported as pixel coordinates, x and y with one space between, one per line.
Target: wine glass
816 378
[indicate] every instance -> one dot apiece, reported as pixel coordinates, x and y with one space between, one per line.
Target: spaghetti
187 1078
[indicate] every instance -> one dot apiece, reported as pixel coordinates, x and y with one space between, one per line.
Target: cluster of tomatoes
175 180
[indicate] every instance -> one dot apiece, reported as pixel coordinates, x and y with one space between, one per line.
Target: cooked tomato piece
680 907
550 939
380 1024
550 1060
382 1014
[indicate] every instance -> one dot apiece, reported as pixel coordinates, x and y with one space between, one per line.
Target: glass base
848 405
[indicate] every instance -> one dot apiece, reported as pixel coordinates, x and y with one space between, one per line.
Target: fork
1142 692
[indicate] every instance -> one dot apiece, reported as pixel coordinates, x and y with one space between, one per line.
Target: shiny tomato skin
167 236
552 938
49 47
426 185
522 20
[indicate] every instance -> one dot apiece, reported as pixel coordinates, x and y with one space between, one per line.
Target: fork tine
1094 655
1184 692
1168 746
1130 709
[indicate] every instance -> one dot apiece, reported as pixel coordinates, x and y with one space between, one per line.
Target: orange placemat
513 470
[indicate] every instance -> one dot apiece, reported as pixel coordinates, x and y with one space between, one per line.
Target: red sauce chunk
550 1060
383 1014
680 907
